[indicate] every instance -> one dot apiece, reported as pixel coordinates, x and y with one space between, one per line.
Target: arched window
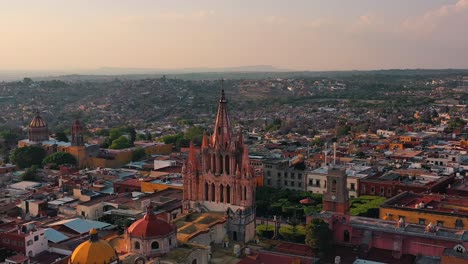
333 186
220 157
245 193
213 162
346 236
194 261
226 163
228 194
206 191
213 192
155 245
137 245
221 193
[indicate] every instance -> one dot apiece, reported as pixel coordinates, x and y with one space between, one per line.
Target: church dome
93 251
37 122
150 226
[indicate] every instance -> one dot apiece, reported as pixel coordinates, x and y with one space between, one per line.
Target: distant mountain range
7 75
247 72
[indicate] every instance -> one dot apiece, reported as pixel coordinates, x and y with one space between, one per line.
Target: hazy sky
290 34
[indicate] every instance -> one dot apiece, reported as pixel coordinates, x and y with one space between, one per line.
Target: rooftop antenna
326 153
334 153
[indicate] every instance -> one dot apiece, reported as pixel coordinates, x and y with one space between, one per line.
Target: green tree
138 154
319 236
59 158
30 174
27 156
9 137
133 134
194 134
120 143
149 137
61 136
115 133
172 139
141 137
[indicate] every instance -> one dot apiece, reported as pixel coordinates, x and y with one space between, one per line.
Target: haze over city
233 132
293 35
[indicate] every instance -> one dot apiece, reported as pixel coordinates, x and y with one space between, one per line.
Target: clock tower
336 198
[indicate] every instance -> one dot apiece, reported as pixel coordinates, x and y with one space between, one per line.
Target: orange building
440 210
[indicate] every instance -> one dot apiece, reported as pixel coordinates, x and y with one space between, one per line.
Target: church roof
37 121
150 226
94 250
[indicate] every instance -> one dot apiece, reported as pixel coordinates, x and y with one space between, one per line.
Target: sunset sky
293 34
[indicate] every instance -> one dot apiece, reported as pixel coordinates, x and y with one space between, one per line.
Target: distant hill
244 72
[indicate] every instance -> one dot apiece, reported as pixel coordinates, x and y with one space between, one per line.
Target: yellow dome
94 251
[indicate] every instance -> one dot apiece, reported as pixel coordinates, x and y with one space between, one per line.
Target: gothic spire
192 161
222 129
204 141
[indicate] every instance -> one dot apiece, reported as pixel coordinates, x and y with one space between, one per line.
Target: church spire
222 129
204 141
192 160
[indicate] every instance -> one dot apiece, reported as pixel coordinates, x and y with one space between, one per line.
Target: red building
395 182
396 236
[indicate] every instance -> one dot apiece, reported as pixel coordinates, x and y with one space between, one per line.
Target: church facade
220 179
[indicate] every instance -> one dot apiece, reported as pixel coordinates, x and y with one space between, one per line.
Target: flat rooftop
433 203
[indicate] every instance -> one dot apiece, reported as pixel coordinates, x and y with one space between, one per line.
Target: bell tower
336 198
78 148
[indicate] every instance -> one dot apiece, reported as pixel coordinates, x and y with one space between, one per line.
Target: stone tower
78 148
220 178
336 198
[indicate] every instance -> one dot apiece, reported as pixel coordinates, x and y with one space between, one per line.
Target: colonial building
399 237
220 178
285 174
150 236
38 135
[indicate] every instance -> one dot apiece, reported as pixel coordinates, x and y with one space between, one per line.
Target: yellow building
38 135
440 210
94 250
160 184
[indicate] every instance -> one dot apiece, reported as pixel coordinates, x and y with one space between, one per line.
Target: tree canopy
121 143
30 174
319 236
59 158
61 136
138 154
27 156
